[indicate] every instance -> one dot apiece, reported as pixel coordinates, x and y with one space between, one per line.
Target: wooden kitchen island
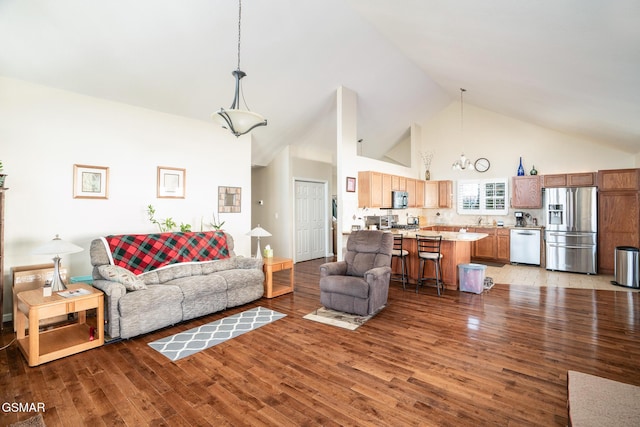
455 249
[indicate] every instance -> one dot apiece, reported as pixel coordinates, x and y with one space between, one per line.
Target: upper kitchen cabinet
374 189
370 189
386 190
420 184
526 192
619 180
584 179
438 194
398 183
411 191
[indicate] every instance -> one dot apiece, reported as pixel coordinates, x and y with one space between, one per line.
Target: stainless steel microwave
399 199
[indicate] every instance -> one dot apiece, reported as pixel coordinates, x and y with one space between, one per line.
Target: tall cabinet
618 214
2 192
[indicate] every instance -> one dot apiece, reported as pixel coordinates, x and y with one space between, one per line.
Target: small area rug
596 401
35 421
189 342
338 318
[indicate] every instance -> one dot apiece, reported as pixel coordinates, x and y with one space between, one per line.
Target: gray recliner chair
359 284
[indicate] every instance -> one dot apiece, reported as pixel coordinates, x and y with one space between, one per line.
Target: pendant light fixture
237 120
462 163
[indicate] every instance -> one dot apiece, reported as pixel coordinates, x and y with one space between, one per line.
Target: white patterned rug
189 342
338 318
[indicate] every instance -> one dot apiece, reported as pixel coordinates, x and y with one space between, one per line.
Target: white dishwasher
525 246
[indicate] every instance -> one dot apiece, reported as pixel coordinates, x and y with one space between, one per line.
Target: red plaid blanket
139 253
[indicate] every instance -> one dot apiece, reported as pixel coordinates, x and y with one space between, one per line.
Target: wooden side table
41 347
272 265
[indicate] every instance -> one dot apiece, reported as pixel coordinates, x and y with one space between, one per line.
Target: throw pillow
122 275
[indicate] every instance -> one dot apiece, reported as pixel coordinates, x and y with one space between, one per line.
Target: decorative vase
533 171
520 168
427 175
2 178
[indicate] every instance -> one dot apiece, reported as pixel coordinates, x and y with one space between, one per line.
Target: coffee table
44 346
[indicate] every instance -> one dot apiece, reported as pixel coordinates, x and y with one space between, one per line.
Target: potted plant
2 175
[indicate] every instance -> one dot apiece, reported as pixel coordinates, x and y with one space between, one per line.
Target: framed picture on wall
171 182
90 182
229 199
351 184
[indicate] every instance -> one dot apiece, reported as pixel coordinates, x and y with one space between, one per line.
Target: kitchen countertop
465 226
453 236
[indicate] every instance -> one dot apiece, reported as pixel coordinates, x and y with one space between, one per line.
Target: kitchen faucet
479 220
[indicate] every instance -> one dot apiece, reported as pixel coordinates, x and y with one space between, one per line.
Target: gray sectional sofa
155 299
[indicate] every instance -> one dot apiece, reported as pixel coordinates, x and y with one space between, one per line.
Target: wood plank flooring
499 359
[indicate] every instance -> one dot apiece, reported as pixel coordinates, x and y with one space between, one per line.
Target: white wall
45 131
503 140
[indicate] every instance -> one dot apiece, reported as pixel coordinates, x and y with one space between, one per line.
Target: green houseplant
2 175
167 224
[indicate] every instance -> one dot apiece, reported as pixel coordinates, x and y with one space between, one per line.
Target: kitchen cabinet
618 214
486 248
526 192
437 194
411 191
369 189
419 193
619 180
398 183
374 189
503 245
386 191
583 179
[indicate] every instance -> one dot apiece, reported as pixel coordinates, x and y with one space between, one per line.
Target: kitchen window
483 196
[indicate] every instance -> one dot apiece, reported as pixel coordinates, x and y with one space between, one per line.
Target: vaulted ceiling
570 65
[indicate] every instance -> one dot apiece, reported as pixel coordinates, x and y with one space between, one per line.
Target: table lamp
57 247
259 232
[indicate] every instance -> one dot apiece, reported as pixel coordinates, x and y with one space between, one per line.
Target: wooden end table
272 265
41 347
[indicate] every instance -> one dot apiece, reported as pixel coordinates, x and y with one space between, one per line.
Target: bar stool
429 250
400 252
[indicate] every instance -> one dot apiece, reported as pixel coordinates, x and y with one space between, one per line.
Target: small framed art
351 184
171 182
90 182
229 199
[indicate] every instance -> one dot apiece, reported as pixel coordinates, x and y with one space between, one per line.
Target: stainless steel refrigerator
571 234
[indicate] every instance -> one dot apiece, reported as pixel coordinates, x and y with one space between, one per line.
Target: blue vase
520 168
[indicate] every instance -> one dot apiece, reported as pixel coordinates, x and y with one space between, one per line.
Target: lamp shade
57 246
259 232
238 122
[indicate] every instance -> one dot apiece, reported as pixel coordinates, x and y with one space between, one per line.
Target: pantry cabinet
618 214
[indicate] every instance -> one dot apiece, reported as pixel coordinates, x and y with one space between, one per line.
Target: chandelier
462 163
238 121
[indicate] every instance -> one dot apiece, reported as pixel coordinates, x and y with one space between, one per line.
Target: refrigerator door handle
555 245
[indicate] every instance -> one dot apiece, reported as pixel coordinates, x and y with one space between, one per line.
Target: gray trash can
627 268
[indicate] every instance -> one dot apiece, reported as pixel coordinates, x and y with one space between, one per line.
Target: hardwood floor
500 358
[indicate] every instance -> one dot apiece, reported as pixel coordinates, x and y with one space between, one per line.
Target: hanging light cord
239 37
239 21
462 91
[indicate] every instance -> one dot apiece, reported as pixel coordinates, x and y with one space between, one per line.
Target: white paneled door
311 223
